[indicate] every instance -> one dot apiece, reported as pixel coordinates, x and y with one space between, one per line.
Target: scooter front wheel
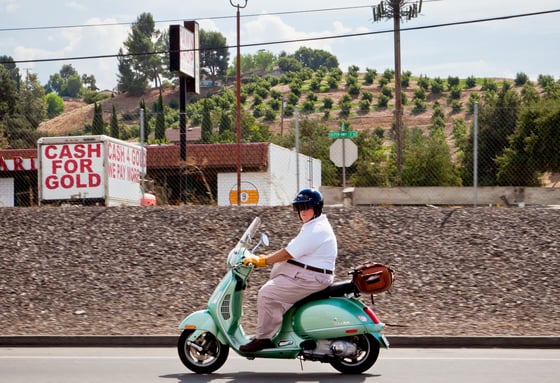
364 357
204 355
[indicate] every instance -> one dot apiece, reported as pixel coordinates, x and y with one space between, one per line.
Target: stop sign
343 152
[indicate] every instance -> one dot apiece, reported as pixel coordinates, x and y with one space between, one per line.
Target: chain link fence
516 145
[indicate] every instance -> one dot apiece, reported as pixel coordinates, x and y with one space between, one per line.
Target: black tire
363 359
203 356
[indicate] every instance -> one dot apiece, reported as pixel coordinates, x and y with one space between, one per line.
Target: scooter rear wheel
363 359
204 355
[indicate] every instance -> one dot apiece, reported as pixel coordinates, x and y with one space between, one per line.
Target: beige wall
441 196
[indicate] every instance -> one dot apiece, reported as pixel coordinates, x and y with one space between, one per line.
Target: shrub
388 74
308 107
311 97
269 115
315 84
453 81
456 106
489 85
455 93
437 85
332 82
345 108
370 75
419 106
424 82
471 82
364 106
382 101
367 96
420 93
354 89
386 91
274 104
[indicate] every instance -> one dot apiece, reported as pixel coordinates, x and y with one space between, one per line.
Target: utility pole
238 92
397 10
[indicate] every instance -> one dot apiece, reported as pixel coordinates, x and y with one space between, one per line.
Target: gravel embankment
139 271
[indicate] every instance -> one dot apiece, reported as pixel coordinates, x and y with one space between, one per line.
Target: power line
196 18
476 21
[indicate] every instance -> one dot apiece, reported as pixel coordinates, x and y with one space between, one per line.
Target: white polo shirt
315 244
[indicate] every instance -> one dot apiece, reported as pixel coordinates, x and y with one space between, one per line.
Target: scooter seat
337 289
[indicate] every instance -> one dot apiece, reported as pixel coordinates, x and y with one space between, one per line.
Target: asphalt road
140 365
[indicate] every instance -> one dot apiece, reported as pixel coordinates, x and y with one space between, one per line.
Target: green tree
97 125
129 80
160 120
427 160
214 54
140 65
206 126
55 105
497 119
114 130
533 147
289 64
371 168
90 82
73 86
225 122
315 58
8 102
264 60
31 102
8 92
67 82
22 106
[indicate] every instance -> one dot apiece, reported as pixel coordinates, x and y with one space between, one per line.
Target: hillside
77 113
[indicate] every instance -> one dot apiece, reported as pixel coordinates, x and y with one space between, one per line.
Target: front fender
200 322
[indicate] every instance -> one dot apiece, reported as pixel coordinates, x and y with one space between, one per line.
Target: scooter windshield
237 254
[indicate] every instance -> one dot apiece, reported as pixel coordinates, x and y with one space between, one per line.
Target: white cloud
268 28
11 6
483 49
74 5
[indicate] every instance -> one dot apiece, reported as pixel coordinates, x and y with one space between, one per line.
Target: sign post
343 153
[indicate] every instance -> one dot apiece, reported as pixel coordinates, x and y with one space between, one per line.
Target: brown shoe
256 345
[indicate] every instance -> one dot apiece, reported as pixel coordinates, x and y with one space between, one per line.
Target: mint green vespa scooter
330 326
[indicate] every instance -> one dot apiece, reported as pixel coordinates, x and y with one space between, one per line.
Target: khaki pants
287 285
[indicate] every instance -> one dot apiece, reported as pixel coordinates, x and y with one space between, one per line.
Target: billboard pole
184 58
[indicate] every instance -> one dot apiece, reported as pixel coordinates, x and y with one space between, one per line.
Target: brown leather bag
372 278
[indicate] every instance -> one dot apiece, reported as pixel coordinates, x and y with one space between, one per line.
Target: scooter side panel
332 318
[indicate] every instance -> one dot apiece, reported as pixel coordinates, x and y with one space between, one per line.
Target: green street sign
344 134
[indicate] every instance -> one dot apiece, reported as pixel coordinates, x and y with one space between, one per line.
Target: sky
67 30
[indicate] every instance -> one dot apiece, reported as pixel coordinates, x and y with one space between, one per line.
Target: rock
139 271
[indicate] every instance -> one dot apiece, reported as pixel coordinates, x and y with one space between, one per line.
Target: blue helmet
307 198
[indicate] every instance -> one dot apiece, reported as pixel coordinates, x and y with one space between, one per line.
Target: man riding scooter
306 265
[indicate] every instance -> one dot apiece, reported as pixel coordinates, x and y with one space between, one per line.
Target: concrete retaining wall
505 196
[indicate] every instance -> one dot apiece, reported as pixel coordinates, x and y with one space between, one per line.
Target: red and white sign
17 164
72 170
99 169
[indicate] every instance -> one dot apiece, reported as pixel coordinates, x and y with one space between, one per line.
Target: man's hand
259 261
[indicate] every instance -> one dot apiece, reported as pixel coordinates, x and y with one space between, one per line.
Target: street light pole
238 88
